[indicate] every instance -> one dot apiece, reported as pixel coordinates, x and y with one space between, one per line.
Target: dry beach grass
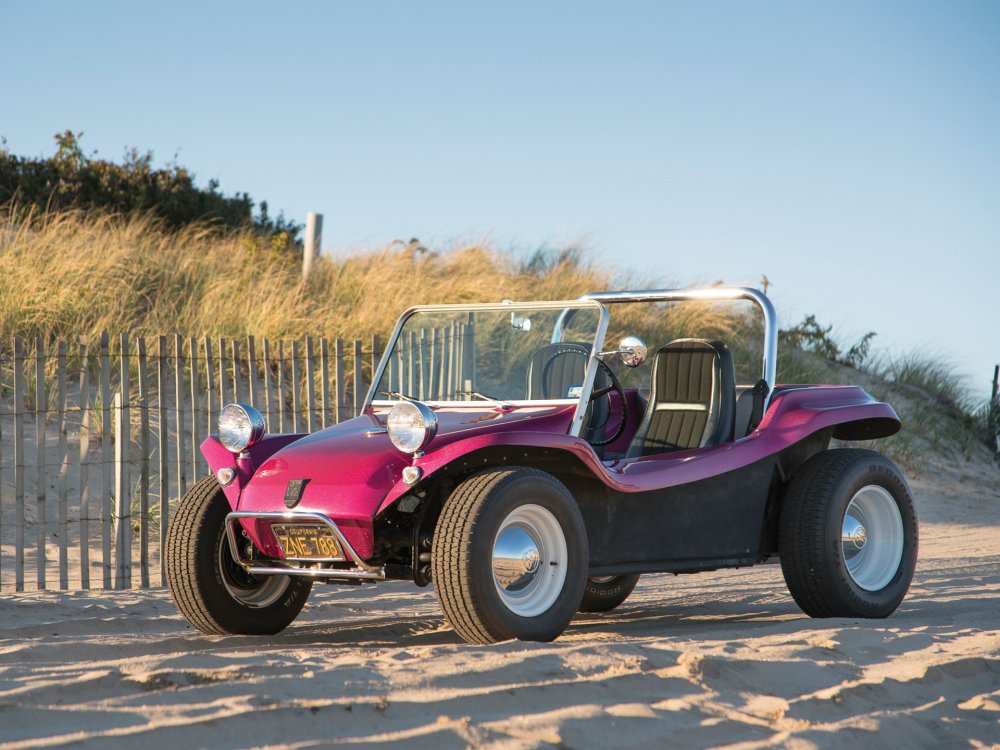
69 274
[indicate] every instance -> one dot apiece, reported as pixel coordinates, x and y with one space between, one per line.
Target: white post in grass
311 250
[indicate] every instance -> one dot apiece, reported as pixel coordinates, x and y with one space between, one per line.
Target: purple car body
356 475
565 488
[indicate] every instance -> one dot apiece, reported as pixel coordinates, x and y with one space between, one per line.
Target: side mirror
520 324
632 351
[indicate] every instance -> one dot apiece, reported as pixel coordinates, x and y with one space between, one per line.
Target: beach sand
720 659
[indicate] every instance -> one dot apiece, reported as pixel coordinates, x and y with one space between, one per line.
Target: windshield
490 353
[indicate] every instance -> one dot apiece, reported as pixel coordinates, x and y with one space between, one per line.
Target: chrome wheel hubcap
871 538
515 559
529 560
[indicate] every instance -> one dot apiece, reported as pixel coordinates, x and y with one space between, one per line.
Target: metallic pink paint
354 476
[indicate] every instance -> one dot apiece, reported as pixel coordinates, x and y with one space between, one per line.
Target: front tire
604 593
848 535
509 556
211 590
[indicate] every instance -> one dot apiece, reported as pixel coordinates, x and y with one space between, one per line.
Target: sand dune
714 660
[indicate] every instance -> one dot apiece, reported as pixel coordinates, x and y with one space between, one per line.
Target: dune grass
68 274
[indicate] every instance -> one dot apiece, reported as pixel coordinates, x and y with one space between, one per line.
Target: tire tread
805 555
182 565
451 558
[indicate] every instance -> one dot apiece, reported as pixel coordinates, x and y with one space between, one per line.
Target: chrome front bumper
362 571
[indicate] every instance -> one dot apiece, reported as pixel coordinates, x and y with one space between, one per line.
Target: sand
712 660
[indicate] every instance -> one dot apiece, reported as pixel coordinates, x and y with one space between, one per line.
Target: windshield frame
580 304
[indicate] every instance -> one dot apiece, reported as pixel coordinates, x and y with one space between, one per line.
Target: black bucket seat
556 371
691 399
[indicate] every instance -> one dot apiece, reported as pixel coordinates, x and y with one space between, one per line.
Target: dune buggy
509 456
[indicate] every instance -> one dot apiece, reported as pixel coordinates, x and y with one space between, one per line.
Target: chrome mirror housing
520 324
632 351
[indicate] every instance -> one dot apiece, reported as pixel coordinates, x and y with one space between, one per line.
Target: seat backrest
557 371
691 400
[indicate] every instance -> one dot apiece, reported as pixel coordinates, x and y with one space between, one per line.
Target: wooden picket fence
109 432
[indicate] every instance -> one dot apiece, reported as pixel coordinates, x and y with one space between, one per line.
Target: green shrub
71 179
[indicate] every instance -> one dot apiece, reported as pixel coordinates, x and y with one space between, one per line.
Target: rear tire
509 556
848 535
604 593
210 589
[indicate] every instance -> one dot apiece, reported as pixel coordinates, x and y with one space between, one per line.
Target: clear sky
850 151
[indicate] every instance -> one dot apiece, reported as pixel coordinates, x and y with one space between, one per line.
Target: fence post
107 468
223 400
376 352
41 409
143 465
123 481
359 394
296 405
237 379
469 350
281 386
123 504
311 247
267 386
324 366
252 373
161 423
63 467
179 412
209 377
19 464
84 468
338 369
196 435
310 387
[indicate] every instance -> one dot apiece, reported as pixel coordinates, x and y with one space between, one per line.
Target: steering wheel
595 394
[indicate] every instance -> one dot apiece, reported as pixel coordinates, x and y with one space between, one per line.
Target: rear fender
219 457
850 411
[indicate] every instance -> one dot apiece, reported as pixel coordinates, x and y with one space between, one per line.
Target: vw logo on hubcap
853 534
530 559
516 559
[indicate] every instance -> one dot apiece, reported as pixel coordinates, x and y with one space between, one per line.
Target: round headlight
240 426
411 425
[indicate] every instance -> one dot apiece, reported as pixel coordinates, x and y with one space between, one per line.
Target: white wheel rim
255 593
871 538
529 560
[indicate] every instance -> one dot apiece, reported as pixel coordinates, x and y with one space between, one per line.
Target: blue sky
849 151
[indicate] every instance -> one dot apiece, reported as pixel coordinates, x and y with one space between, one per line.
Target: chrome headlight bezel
240 426
411 425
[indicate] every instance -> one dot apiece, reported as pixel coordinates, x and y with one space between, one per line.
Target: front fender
219 457
433 462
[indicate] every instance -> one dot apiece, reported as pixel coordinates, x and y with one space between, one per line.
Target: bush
72 180
810 336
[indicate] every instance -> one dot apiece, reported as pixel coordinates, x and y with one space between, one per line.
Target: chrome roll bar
709 294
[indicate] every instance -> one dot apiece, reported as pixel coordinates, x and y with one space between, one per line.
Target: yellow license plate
301 541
